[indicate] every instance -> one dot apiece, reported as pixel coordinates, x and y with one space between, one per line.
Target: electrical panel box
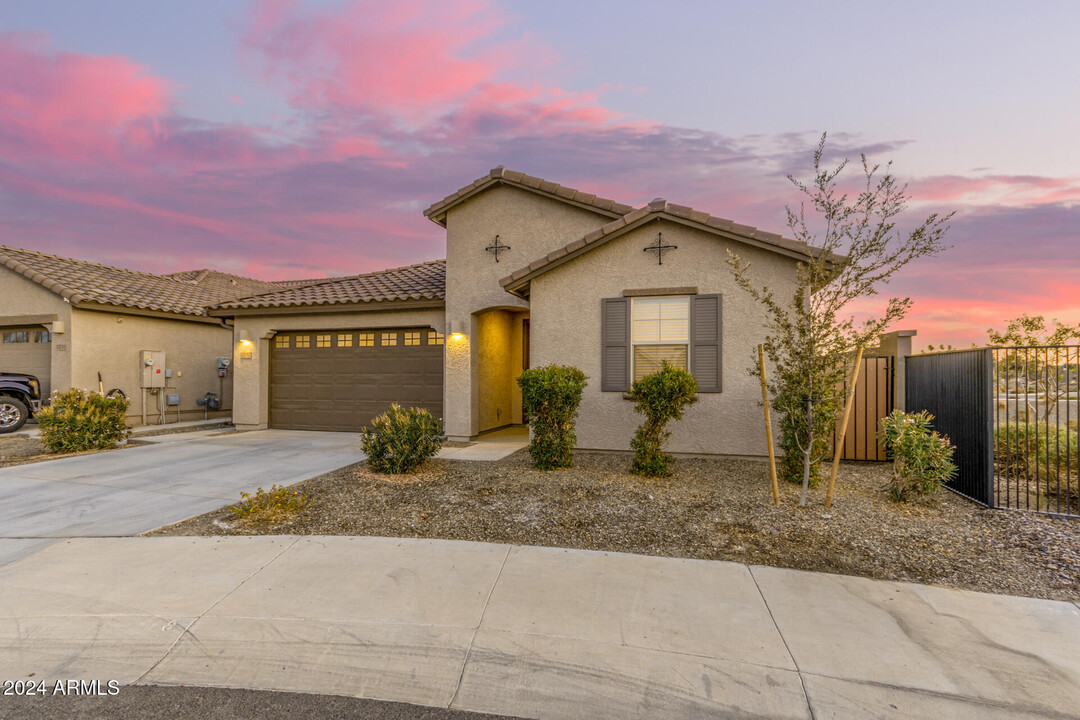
152 365
172 399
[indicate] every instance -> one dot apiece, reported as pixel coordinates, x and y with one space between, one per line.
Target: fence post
990 399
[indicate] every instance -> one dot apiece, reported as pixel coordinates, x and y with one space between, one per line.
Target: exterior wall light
245 337
457 330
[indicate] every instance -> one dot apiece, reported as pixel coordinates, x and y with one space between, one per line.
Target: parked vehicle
20 397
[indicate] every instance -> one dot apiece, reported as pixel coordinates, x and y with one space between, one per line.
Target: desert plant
78 420
922 459
1042 456
401 439
550 396
271 505
851 247
661 398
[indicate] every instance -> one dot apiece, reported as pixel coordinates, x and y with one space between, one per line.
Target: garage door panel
27 350
344 385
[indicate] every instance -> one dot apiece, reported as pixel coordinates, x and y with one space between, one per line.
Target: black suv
20 396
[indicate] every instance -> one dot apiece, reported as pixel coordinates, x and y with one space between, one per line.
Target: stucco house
535 273
67 320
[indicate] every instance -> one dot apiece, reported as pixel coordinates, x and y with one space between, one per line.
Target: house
68 320
535 273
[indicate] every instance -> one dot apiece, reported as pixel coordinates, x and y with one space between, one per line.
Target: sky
303 139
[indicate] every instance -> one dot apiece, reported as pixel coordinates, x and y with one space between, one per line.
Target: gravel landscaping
709 509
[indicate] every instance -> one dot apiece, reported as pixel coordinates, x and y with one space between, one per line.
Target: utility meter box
152 363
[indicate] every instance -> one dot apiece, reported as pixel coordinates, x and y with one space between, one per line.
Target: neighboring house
66 320
535 273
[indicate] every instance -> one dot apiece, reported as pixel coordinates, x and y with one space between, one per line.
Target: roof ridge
91 264
501 174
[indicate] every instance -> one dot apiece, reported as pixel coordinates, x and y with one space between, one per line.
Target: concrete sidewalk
531 632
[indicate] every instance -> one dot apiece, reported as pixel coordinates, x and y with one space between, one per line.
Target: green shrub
550 396
661 397
922 459
400 439
78 420
1044 456
268 506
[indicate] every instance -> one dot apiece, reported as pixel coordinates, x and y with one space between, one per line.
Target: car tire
13 414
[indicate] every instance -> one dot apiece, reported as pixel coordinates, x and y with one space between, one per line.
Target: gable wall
566 329
22 296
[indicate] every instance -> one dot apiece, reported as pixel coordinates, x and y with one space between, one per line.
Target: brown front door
341 379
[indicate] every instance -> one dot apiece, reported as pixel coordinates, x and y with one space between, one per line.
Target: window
389 339
42 336
303 341
434 338
322 341
660 330
412 337
365 340
17 336
281 342
344 340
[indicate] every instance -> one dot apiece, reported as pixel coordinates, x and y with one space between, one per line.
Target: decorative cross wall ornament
659 247
495 247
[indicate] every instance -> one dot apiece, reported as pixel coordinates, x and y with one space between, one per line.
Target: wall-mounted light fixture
457 330
245 337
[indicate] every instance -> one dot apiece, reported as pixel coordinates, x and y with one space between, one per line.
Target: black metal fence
1013 414
1036 420
957 389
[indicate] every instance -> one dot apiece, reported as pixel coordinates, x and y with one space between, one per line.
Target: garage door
27 350
341 379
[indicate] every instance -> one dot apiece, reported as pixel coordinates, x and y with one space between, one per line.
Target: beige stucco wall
20 296
251 376
532 225
566 324
110 342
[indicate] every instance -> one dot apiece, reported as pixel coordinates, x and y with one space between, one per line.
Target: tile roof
656 208
425 281
79 281
226 285
501 176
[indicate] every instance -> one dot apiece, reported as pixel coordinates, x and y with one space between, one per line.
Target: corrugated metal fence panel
873 401
957 389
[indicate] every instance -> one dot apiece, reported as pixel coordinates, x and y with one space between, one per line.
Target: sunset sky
302 139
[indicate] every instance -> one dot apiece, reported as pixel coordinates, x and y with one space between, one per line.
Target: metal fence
1036 423
1013 414
957 389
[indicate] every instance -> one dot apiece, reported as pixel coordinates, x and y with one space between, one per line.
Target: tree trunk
809 449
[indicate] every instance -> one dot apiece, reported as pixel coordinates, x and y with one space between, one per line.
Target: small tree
661 397
851 247
550 396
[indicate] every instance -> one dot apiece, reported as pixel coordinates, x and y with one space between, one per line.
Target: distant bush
550 396
401 439
922 459
1040 455
78 420
661 397
268 506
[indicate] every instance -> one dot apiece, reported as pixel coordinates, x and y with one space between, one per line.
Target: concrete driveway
131 491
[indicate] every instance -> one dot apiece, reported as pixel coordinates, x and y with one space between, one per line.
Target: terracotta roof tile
425 281
224 285
79 281
501 175
657 207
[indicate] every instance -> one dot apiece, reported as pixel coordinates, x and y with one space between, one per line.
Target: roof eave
323 308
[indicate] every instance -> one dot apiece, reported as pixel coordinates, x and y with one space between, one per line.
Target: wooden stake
843 427
768 425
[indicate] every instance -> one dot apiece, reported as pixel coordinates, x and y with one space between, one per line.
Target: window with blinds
660 330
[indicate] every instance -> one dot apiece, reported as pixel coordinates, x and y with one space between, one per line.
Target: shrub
400 439
922 459
78 420
661 397
1041 455
268 506
550 396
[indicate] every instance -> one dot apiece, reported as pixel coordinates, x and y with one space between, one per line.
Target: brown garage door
27 350
341 379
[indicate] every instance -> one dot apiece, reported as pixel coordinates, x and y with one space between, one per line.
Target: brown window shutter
705 341
615 344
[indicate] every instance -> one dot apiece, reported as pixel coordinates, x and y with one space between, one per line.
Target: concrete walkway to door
530 632
490 446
